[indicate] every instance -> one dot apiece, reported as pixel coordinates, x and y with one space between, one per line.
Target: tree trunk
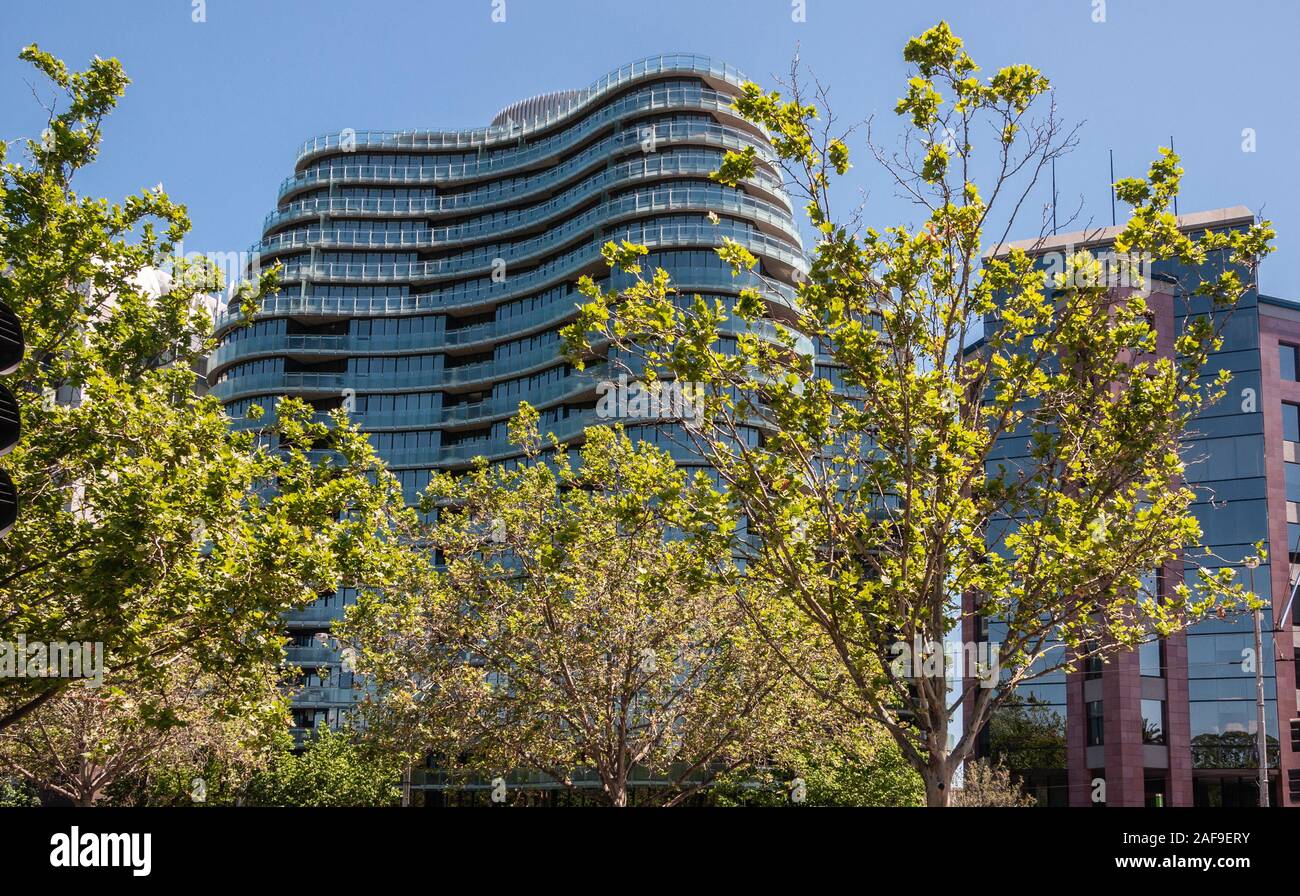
88 786
614 785
938 786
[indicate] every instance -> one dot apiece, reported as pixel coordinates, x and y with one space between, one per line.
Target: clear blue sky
217 109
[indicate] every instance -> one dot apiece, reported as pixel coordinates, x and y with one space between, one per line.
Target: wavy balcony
686 279
276 344
651 200
684 159
564 267
683 200
340 170
323 385
435 141
650 101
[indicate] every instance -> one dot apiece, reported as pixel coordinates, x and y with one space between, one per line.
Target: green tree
215 772
873 501
335 769
16 793
574 633
92 745
817 767
145 524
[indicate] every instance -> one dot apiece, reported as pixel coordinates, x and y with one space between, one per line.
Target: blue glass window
1287 355
1153 721
1096 731
1292 481
1151 658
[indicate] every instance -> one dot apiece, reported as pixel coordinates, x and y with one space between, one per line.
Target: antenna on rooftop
1171 149
1112 188
1053 195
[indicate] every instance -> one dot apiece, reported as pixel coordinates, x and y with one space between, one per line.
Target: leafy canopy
147 524
969 424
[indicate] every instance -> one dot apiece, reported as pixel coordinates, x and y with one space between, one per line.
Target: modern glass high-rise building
1174 722
426 277
427 274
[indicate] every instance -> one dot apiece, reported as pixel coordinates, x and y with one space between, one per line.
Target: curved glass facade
426 274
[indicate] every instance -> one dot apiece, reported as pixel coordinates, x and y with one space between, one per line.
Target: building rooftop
1279 302
1103 236
542 106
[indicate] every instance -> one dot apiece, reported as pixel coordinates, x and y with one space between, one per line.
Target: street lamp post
1261 731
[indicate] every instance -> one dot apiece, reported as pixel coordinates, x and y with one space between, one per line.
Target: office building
1173 722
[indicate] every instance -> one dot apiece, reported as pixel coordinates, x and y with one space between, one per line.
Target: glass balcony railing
279 382
310 344
327 382
485 290
542 152
306 656
643 202
663 162
326 696
686 278
274 384
484 260
341 170
654 66
316 613
564 430
496 449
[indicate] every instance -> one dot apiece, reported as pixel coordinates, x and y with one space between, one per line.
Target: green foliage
203 777
871 507
335 769
870 771
16 793
140 739
573 633
145 524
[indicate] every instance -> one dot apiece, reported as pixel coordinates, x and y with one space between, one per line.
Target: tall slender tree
868 474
